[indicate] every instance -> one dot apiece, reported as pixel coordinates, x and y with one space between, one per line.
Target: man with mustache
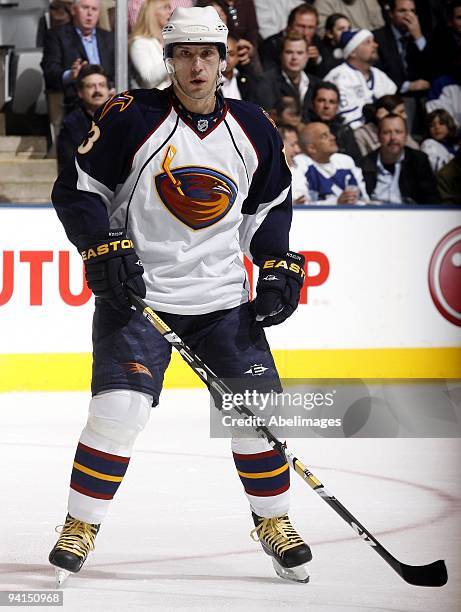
92 90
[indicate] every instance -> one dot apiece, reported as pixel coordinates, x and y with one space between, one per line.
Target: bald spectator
396 174
303 20
71 46
358 81
332 176
363 14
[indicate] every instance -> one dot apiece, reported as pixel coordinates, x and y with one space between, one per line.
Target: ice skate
288 551
75 541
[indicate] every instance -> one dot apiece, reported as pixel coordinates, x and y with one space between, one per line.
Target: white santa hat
350 40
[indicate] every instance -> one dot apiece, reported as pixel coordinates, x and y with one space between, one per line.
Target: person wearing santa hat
358 81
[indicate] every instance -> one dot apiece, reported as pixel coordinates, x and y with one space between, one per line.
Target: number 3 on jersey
89 141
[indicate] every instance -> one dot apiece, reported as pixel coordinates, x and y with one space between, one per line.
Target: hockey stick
433 574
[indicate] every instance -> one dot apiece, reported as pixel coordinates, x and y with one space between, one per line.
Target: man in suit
93 90
71 46
402 48
396 174
289 79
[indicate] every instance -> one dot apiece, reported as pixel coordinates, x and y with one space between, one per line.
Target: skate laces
76 536
278 533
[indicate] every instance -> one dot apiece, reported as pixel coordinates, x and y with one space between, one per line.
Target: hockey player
183 181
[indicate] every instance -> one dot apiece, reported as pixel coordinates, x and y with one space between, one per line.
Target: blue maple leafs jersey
192 191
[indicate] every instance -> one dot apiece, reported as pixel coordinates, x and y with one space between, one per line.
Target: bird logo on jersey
197 196
122 100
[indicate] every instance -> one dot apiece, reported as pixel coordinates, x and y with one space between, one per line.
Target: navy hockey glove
278 288
111 266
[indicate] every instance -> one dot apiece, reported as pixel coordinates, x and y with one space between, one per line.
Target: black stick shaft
433 574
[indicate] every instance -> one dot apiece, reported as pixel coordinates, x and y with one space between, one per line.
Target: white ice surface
177 535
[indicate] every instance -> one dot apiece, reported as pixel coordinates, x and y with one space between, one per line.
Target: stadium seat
28 89
18 27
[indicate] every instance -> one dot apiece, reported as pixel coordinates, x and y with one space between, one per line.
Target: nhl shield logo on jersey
196 195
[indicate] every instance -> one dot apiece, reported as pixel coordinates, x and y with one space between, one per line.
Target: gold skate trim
82 468
264 474
278 533
77 537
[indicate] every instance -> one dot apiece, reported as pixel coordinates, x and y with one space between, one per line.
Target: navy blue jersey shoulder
104 160
271 181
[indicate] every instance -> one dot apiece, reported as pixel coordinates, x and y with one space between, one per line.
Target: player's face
196 67
392 135
94 92
163 12
86 14
367 51
294 56
341 25
291 146
403 10
438 130
306 25
325 104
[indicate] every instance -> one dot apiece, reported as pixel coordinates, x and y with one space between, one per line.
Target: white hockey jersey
331 179
355 90
192 191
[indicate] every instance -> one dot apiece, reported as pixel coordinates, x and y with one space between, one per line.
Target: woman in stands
441 143
145 45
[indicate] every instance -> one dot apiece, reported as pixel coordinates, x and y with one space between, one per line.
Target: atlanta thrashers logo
197 196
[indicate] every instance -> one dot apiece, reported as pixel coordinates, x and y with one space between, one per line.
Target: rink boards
382 299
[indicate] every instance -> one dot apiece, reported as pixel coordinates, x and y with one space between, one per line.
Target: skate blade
61 576
295 574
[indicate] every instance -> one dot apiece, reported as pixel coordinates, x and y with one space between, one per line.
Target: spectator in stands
363 14
71 46
93 90
134 8
240 18
272 15
324 107
445 92
239 82
366 136
333 177
299 188
445 44
395 173
441 143
449 181
289 79
146 45
358 81
304 20
286 112
402 48
58 14
332 56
